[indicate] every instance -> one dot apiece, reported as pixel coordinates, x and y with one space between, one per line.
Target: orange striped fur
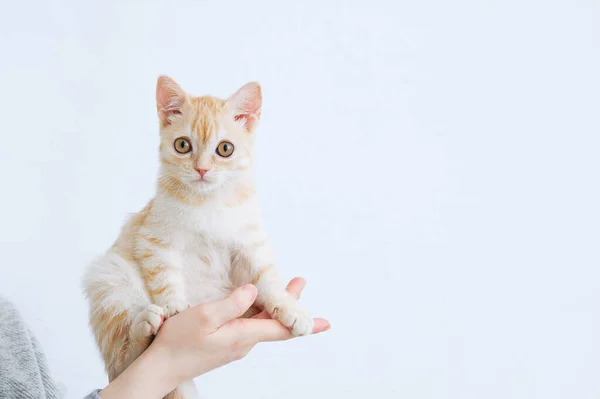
197 239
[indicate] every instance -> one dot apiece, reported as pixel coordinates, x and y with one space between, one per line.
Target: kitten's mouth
202 181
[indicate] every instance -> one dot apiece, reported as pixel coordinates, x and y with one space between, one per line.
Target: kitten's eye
182 145
225 149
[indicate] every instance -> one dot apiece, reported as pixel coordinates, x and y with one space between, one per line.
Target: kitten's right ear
170 99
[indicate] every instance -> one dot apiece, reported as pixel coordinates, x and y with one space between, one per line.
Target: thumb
232 307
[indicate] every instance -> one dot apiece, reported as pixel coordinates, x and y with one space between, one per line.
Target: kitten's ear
170 98
245 105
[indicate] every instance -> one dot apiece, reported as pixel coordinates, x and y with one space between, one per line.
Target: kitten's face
206 142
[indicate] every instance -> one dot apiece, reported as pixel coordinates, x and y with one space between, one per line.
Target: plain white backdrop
434 164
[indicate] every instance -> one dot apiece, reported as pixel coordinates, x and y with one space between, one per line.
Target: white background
430 167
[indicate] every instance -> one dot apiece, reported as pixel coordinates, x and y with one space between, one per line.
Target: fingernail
249 289
327 327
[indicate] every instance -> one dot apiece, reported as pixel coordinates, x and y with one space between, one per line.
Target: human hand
201 339
211 335
287 310
295 288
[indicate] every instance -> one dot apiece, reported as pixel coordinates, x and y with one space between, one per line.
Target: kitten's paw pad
298 320
148 321
175 306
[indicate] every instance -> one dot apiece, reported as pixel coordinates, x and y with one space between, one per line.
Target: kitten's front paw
291 315
147 322
174 306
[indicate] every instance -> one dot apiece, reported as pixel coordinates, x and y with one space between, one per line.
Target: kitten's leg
141 333
146 323
257 259
162 278
118 304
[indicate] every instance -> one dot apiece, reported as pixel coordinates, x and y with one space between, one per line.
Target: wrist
169 370
152 375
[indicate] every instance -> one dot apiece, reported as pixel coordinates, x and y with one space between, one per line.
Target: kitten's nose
202 171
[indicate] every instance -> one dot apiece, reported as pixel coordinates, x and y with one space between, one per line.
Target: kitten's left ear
245 104
170 99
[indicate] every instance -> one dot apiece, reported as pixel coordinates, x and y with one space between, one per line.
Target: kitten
199 238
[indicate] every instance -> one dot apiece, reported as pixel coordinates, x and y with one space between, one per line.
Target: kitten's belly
206 277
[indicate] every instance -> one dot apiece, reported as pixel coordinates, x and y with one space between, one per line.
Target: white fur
211 248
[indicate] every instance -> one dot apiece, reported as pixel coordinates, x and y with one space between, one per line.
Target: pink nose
202 172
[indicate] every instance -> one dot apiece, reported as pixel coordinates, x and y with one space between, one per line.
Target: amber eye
225 149
182 145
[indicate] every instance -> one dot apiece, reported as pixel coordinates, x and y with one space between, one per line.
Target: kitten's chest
218 222
205 268
206 240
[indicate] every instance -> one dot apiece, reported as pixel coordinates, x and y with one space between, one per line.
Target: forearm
151 376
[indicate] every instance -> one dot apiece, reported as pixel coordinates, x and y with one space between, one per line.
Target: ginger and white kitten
199 238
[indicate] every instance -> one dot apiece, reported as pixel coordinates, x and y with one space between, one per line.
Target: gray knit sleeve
93 395
24 373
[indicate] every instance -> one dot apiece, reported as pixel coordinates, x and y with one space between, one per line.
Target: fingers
234 306
294 288
272 330
262 315
321 325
